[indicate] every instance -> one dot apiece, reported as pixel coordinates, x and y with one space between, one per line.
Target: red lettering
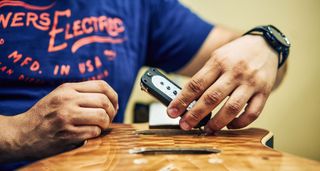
115 26
4 20
3 68
15 56
9 71
55 31
67 34
103 23
35 66
45 19
84 23
26 61
33 18
82 68
111 55
106 73
120 27
76 28
89 65
21 77
97 62
56 69
65 69
99 76
17 17
95 23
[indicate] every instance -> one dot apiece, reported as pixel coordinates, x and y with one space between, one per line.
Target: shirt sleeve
176 34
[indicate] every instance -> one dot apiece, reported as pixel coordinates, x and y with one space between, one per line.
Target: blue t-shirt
46 43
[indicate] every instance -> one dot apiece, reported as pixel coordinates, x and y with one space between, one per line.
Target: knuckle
194 116
63 135
252 70
233 108
218 55
105 104
69 130
100 113
59 99
182 100
102 85
212 98
196 85
65 85
56 100
103 116
95 131
62 117
103 100
242 65
220 59
253 82
238 72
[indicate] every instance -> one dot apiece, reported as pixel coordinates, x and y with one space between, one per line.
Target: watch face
281 38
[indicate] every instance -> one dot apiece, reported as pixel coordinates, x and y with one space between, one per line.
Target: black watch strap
280 48
259 29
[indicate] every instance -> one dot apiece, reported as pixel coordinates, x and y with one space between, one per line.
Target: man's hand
244 69
70 114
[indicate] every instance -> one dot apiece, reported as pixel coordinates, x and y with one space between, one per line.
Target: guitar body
239 150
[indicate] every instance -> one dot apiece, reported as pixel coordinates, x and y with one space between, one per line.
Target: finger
230 109
208 101
88 132
251 113
76 134
194 88
96 100
97 86
91 116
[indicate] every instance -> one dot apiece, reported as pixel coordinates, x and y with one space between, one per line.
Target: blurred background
292 112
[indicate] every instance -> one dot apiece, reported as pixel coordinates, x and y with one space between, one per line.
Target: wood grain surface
240 150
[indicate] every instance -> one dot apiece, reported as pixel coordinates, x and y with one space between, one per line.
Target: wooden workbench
240 150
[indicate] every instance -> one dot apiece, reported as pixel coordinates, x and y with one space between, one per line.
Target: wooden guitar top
240 150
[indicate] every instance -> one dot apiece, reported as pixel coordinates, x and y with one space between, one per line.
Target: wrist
276 39
11 142
9 139
260 41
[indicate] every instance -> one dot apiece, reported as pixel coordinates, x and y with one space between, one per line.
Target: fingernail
185 126
117 107
173 112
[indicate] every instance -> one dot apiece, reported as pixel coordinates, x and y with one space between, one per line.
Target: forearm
218 37
8 146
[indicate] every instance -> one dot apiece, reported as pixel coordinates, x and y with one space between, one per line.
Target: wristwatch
276 39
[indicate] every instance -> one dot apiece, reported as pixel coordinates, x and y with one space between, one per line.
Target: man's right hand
70 114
